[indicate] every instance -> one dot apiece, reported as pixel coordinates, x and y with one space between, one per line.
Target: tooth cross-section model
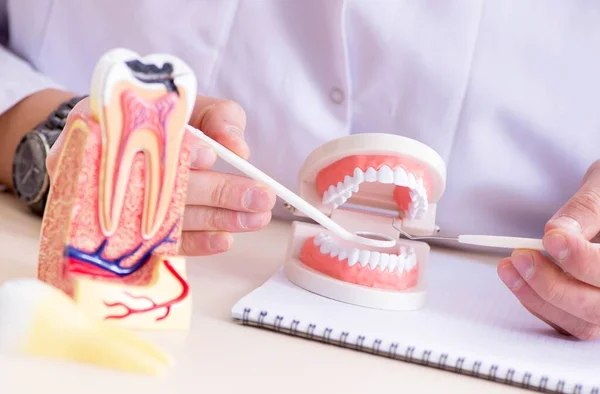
368 183
112 224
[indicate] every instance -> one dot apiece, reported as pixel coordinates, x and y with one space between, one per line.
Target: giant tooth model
113 218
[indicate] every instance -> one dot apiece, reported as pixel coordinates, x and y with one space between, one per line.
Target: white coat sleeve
18 78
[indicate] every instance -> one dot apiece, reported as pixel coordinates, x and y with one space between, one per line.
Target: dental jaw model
369 184
113 219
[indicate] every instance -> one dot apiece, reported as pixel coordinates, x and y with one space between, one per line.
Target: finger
81 108
204 243
202 156
581 214
573 325
574 254
222 120
553 286
200 218
228 191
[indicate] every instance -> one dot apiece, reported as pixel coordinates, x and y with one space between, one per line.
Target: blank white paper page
470 321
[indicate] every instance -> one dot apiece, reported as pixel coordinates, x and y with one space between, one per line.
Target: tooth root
353 256
343 254
385 175
371 175
400 177
359 175
363 257
374 259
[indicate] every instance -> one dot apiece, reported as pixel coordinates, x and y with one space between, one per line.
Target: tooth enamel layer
340 193
405 261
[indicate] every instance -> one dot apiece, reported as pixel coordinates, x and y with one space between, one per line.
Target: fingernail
219 242
202 156
556 245
523 262
250 221
510 277
567 223
257 199
235 131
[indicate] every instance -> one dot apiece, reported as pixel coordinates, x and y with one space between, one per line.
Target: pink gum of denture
335 173
376 278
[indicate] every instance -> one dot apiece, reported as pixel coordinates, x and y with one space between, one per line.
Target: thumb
81 108
581 213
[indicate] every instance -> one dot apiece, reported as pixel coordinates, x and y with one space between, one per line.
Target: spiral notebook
471 325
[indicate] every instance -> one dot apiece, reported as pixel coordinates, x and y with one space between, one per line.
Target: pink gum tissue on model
367 183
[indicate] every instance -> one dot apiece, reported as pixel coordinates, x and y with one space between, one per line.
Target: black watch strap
56 121
50 130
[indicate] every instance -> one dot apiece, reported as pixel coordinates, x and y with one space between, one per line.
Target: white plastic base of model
323 285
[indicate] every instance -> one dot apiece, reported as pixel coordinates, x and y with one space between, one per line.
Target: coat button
336 95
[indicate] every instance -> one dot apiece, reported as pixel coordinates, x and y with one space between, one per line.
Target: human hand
563 290
217 204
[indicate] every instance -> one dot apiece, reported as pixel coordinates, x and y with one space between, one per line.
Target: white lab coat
508 92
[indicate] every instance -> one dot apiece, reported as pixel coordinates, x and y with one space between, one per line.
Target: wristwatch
30 178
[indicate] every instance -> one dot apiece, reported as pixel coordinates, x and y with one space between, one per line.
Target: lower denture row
362 267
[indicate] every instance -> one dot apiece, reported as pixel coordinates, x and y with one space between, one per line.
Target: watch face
29 168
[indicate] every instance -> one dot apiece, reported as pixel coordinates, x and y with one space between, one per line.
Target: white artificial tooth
400 264
335 250
358 175
340 187
392 262
371 175
348 182
325 248
353 256
420 185
363 257
385 175
374 259
400 177
335 206
355 189
343 254
348 194
319 239
384 259
412 181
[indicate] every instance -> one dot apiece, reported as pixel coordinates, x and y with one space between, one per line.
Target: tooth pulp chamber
338 194
362 267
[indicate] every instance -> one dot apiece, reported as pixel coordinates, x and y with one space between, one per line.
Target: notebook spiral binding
414 355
